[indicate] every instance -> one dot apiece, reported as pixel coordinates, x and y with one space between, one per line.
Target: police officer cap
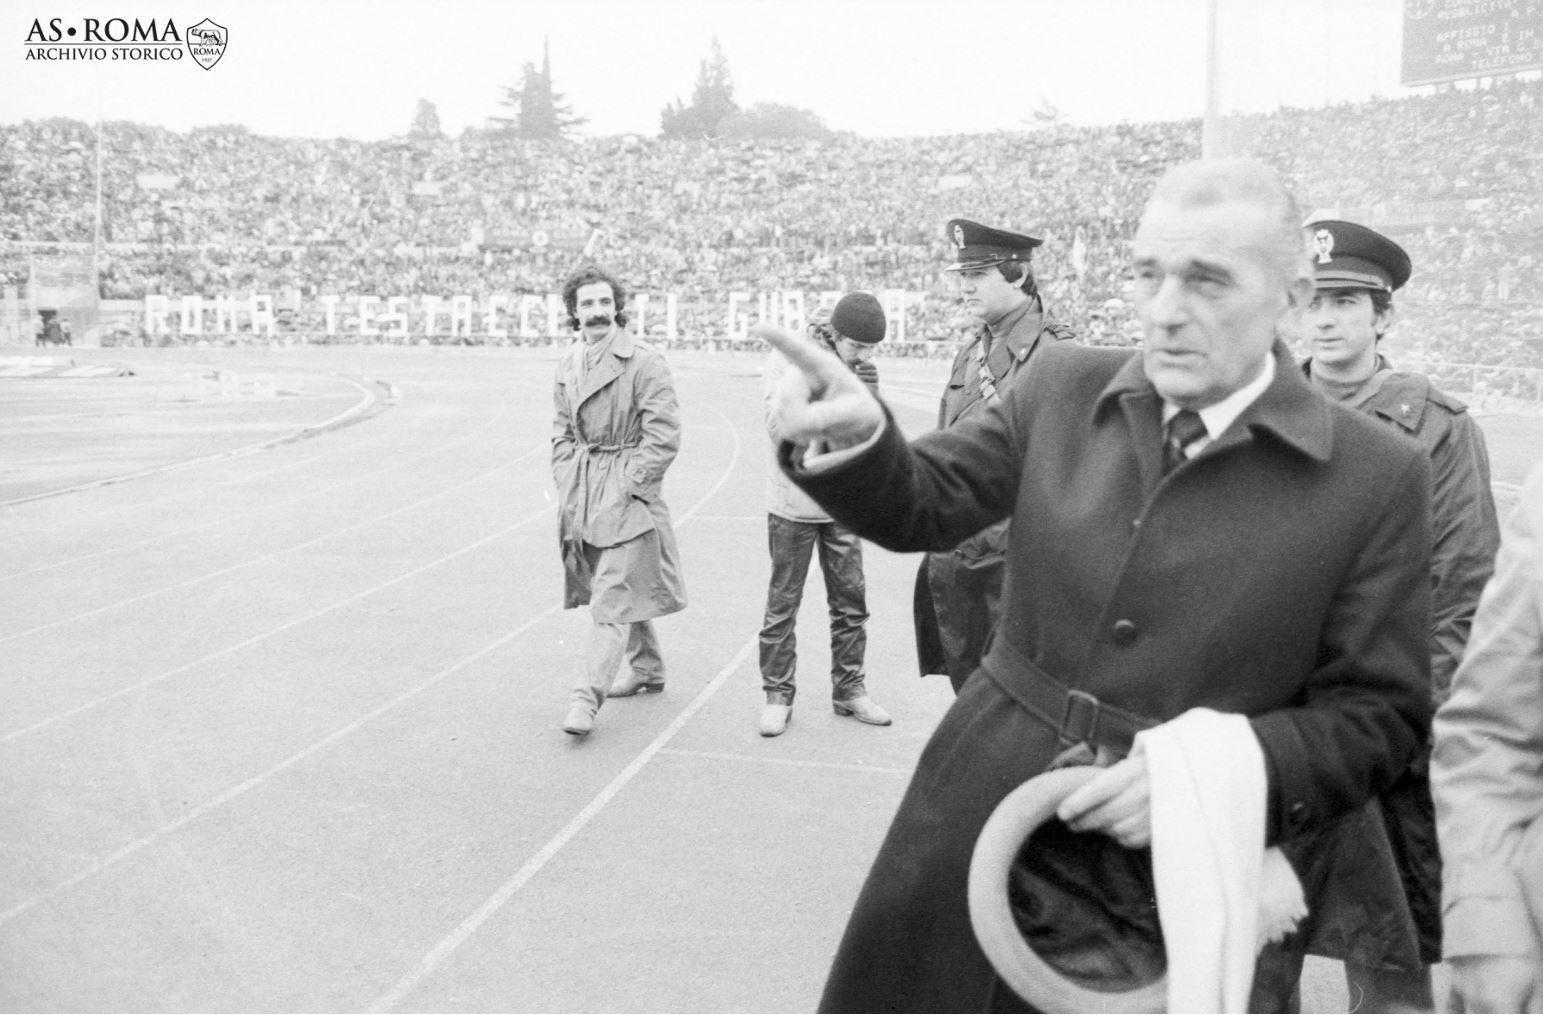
979 246
1349 256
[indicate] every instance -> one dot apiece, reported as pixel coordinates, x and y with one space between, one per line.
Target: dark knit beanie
859 317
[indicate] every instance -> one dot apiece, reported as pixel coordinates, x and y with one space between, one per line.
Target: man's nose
1166 307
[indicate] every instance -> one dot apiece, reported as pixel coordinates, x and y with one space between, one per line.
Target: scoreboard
1452 40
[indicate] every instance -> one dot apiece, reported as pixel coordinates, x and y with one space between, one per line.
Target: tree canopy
425 121
540 113
711 101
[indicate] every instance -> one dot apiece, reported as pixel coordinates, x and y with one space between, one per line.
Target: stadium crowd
1455 175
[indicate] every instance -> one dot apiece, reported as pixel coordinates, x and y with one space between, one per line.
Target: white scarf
1220 894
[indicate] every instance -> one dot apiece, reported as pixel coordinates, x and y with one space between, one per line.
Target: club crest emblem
958 236
1323 244
206 43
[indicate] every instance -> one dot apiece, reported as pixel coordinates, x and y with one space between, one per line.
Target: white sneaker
774 719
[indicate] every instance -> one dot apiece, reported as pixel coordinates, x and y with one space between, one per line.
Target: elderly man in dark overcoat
1193 526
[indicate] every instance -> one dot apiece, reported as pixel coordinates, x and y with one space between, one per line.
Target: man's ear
1298 295
1382 320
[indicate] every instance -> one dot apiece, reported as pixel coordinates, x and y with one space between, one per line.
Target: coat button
1124 632
1297 812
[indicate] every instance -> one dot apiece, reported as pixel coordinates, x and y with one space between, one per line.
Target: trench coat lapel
608 368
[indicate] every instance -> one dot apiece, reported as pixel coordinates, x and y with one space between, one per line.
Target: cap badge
958 236
1323 243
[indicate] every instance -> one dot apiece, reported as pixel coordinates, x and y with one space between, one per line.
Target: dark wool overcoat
1360 913
1282 573
958 592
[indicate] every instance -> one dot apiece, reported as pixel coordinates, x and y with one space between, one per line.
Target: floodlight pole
1210 142
96 240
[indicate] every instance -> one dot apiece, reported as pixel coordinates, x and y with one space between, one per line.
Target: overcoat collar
1013 337
610 364
1289 409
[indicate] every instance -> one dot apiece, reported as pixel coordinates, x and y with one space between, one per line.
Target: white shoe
774 719
863 709
580 721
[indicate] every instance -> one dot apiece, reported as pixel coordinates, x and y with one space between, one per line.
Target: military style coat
1282 573
955 586
617 430
1464 525
1391 918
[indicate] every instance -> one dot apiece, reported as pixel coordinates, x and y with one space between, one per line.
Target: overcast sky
877 67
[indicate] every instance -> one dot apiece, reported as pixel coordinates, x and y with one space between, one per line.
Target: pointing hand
820 399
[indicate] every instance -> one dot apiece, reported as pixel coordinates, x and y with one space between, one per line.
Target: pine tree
425 121
711 101
540 114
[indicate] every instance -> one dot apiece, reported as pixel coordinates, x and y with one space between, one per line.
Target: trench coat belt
1077 716
611 448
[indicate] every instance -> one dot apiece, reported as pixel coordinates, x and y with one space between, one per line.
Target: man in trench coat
1193 526
617 431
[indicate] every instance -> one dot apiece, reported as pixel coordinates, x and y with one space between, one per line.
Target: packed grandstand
1456 176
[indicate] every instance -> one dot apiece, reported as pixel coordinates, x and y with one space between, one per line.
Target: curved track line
390 466
341 419
332 534
170 495
255 639
239 789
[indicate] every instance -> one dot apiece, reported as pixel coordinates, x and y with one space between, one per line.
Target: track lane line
437 955
129 849
256 639
332 534
439 449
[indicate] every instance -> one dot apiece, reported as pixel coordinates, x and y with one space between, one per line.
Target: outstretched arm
819 401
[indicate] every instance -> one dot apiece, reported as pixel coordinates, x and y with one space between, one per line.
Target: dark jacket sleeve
1365 709
928 494
1465 534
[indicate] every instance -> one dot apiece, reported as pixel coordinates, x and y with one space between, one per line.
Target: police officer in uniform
958 592
1388 948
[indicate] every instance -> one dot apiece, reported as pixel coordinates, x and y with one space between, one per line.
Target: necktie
1184 429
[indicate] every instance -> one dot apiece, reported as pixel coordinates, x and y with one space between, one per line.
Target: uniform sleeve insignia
1323 244
1405 409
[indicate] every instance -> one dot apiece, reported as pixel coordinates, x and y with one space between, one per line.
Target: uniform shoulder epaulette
1451 403
1419 387
1062 331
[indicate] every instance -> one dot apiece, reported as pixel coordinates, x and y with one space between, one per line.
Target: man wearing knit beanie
796 525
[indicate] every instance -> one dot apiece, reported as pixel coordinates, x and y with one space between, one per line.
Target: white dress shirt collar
1220 415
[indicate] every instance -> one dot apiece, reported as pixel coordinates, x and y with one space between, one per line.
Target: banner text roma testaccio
493 317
